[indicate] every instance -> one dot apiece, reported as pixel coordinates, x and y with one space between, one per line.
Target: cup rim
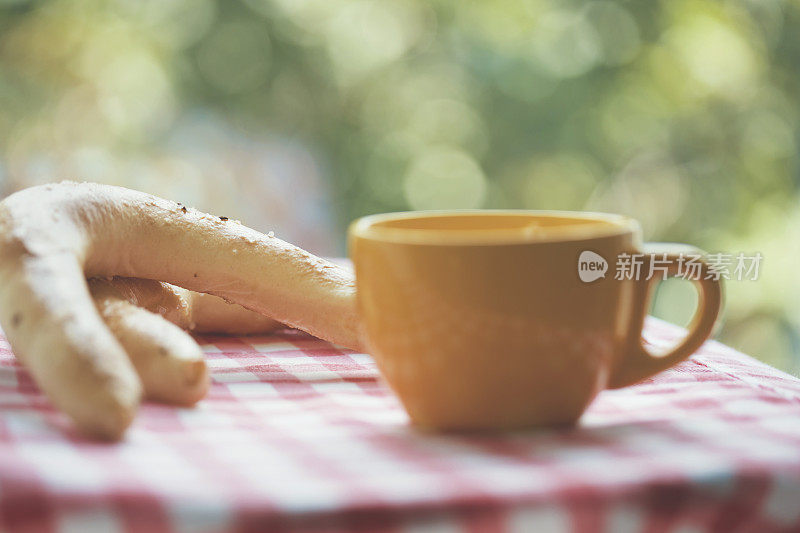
368 227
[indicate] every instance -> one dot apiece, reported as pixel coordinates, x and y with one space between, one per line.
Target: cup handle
637 362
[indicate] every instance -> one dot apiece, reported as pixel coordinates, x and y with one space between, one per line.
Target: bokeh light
445 178
299 115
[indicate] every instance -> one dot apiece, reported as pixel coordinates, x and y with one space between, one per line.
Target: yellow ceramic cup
499 319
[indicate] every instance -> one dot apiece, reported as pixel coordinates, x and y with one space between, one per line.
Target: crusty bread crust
193 311
54 236
170 364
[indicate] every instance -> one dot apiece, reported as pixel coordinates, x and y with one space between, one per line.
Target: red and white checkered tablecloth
299 435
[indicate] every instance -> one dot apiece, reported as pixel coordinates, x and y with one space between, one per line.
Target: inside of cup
488 222
491 226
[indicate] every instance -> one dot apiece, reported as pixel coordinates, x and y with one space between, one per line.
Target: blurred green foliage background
300 115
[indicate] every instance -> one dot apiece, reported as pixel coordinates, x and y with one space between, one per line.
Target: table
297 434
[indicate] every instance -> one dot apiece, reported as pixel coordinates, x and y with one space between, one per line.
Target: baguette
53 237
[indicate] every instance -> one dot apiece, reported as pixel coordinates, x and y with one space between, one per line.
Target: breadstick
171 302
146 316
169 362
193 311
211 314
53 236
62 340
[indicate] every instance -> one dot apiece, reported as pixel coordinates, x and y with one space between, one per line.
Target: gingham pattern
298 434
